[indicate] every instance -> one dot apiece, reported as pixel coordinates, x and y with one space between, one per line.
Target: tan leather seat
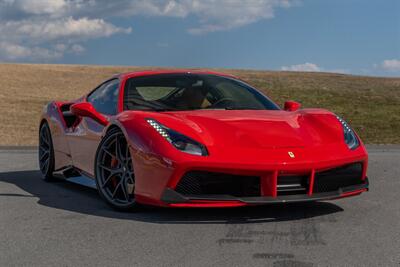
192 98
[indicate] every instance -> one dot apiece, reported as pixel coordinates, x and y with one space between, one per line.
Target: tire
46 153
114 174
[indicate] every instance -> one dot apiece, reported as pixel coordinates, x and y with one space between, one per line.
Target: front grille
292 185
332 180
212 183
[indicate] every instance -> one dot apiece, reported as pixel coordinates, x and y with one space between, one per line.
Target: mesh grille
211 183
332 180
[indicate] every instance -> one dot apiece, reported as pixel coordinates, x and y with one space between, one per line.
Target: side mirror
85 109
292 106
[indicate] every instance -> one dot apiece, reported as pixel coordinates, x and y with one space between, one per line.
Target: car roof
171 71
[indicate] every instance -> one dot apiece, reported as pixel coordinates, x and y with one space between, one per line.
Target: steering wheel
222 100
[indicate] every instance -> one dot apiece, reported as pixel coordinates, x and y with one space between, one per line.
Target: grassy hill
370 104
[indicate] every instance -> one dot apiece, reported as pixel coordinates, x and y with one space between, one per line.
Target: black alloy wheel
46 153
115 178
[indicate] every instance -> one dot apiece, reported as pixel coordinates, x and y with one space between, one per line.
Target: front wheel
114 174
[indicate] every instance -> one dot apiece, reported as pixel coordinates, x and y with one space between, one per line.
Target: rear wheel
46 153
114 172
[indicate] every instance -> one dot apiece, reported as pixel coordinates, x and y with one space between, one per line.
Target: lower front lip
230 201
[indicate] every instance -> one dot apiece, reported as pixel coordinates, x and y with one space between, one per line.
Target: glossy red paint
292 106
354 193
263 143
312 177
85 109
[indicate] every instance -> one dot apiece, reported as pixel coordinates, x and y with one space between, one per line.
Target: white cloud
60 47
28 39
303 67
36 30
34 24
212 15
77 49
311 67
65 48
12 51
46 30
40 6
391 65
225 15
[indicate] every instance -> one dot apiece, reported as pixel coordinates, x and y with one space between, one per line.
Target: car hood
256 128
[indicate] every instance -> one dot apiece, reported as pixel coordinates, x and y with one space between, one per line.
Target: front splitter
170 196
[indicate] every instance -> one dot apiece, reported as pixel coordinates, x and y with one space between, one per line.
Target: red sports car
198 139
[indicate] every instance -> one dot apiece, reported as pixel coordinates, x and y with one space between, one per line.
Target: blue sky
349 36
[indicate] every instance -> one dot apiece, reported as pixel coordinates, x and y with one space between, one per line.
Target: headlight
178 140
349 136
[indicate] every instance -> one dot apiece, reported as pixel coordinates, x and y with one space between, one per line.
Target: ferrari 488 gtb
198 139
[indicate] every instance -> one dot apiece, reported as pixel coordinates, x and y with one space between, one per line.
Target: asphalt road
61 224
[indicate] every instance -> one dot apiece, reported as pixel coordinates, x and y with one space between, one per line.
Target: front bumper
175 199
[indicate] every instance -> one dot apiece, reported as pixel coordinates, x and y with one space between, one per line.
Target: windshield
190 92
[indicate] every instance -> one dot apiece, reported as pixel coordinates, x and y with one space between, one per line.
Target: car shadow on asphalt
70 197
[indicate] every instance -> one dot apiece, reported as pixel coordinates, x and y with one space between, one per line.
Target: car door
86 136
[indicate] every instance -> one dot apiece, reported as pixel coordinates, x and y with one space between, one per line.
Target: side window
105 98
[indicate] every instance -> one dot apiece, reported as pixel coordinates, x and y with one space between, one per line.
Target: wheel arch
117 125
112 127
42 121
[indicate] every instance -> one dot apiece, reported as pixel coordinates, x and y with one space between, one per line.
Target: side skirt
75 176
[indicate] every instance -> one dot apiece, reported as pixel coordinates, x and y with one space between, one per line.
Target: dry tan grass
372 105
